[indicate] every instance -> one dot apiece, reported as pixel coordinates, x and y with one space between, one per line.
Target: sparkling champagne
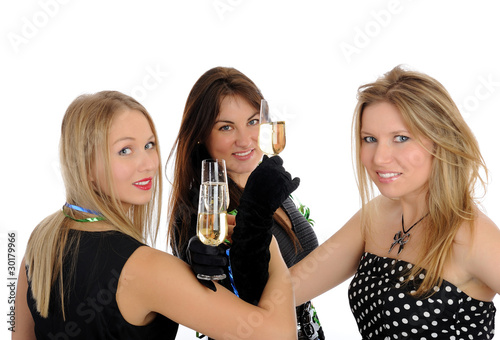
212 228
215 197
272 139
212 221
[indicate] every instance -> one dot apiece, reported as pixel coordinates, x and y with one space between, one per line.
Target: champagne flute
272 138
212 226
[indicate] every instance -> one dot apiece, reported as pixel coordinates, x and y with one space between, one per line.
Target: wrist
255 209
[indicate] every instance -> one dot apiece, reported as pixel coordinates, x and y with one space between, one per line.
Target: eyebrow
392 133
130 138
231 122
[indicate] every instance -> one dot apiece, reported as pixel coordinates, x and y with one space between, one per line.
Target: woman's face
395 161
234 138
133 159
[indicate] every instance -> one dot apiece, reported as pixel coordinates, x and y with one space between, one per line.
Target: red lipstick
144 184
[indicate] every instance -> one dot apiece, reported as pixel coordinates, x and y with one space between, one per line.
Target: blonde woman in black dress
89 272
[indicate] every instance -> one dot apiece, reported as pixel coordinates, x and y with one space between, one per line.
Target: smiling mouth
388 174
144 184
243 154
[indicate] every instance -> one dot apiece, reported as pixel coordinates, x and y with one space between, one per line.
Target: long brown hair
84 138
200 113
429 112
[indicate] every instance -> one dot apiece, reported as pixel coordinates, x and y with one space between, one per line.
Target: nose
383 154
244 138
148 161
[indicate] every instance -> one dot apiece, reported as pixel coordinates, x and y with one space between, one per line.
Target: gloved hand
266 189
206 260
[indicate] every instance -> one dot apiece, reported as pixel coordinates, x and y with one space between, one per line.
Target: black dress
384 308
91 308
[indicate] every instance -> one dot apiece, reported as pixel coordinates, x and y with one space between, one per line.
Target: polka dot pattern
384 309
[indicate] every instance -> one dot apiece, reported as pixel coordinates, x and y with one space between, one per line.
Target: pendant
401 239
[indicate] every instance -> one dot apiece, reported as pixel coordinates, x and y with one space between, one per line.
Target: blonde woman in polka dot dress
425 259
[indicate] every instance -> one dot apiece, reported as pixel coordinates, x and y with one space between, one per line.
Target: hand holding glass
212 224
272 139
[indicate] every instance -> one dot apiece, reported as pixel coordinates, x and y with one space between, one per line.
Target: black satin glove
207 260
266 189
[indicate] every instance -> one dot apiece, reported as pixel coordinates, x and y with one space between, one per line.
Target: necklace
89 219
402 237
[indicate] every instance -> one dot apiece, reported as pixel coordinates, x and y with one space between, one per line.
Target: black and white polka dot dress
384 309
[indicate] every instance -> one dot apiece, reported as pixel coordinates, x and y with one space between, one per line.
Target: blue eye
253 122
150 145
225 128
401 139
124 151
369 139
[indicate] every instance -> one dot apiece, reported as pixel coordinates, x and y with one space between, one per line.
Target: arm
154 281
482 257
25 326
266 189
330 264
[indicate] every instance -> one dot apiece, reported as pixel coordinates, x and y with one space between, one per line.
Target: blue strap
231 274
75 207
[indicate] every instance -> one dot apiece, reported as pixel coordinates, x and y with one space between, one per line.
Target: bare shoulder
146 263
478 250
483 230
484 223
486 236
145 257
147 276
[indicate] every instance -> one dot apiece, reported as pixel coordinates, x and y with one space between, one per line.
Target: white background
310 57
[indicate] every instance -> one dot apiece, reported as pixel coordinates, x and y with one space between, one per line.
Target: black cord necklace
403 237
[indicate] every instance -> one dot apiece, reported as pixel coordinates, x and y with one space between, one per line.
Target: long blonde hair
429 112
84 138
